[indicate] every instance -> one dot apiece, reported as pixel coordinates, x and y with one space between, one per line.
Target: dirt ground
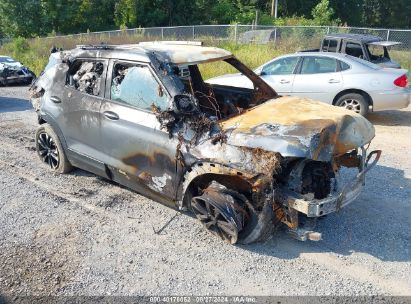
77 234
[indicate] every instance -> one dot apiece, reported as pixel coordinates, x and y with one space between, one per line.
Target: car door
279 74
318 78
79 118
138 152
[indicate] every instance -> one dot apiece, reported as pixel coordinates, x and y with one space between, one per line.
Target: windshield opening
7 60
224 100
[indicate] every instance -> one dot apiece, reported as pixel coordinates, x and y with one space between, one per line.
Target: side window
317 65
330 45
281 66
354 49
344 66
86 76
135 85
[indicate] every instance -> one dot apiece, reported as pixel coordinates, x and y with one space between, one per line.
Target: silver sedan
337 79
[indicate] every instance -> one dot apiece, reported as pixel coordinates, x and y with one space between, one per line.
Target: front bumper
335 201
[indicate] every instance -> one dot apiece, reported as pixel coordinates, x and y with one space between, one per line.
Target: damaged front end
286 167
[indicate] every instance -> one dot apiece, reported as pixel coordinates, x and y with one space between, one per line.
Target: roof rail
196 43
102 46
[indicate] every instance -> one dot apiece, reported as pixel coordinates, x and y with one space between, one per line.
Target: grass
34 53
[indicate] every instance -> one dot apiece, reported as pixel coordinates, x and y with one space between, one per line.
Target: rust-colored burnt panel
299 127
156 170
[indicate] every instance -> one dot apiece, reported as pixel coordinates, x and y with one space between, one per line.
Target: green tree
21 18
323 13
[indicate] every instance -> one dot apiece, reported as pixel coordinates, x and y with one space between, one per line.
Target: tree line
31 18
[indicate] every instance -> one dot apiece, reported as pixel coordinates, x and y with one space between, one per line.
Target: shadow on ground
10 104
391 118
377 223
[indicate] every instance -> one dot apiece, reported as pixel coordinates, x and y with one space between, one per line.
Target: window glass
85 76
330 45
135 85
316 65
354 49
7 59
281 66
344 66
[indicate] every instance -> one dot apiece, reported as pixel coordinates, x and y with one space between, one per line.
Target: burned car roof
187 54
173 53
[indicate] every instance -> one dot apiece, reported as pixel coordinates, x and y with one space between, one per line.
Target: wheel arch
43 119
356 91
201 174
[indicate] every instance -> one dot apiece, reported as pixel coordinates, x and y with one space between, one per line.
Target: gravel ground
77 234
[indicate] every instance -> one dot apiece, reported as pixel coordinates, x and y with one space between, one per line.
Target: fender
203 168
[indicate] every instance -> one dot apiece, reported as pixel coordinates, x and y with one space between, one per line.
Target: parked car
243 160
367 47
333 78
259 36
12 71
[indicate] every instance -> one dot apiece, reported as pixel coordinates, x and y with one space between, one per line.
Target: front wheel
353 102
50 150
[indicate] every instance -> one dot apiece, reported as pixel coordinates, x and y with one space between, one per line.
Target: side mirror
183 104
262 73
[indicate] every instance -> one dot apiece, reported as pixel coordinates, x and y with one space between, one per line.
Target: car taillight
401 81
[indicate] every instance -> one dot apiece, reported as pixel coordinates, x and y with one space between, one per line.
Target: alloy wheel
214 220
352 105
47 150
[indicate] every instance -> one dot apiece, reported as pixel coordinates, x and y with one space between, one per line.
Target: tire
260 226
50 150
354 102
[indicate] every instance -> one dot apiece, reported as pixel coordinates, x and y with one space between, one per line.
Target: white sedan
337 79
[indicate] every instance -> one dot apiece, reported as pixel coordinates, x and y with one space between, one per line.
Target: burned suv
244 161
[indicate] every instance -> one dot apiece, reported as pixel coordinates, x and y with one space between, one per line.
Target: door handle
111 115
283 81
55 99
333 81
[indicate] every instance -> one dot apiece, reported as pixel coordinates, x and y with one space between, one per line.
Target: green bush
34 53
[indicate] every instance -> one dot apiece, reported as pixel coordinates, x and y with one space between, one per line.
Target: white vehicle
12 71
334 78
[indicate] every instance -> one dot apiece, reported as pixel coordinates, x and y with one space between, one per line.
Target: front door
279 74
139 153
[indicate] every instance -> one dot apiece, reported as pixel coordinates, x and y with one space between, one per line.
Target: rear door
81 101
137 151
280 73
318 78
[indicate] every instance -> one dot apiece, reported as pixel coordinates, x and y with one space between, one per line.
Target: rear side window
281 66
344 66
318 65
135 85
354 49
86 76
330 45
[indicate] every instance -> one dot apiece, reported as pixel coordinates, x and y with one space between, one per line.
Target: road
78 234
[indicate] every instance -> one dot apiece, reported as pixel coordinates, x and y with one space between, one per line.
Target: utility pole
256 17
274 8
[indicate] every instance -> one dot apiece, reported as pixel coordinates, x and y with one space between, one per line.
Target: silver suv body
243 160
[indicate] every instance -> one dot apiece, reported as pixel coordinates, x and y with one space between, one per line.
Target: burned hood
297 127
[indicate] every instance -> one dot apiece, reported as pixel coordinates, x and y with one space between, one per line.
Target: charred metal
245 161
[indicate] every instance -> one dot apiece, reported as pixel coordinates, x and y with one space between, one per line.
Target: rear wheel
353 102
50 150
